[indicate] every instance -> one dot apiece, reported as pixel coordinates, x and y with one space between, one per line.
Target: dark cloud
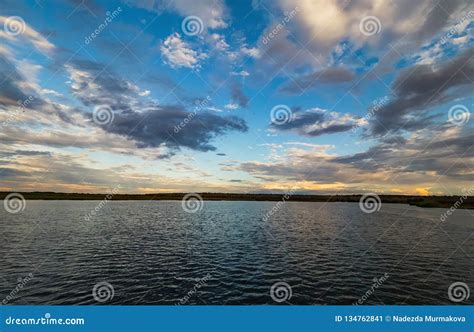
362 156
173 127
18 95
24 153
316 122
10 172
421 87
325 76
418 155
238 95
221 154
420 159
146 123
11 94
437 18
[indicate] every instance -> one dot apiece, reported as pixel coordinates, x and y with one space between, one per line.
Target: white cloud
242 73
51 92
214 109
178 53
461 40
28 33
30 71
218 41
252 52
232 106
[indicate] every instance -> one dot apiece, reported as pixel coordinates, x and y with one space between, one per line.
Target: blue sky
237 96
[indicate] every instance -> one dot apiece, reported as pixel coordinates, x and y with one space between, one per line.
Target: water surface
153 252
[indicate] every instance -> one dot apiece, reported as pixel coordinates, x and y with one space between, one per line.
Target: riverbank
463 202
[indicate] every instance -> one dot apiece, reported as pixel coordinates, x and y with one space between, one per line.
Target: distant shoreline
463 202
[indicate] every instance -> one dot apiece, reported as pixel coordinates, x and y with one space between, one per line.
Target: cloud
317 122
178 53
444 151
148 124
242 73
156 127
252 52
324 76
419 88
24 153
238 95
231 106
218 42
15 88
63 172
416 21
29 34
403 28
440 159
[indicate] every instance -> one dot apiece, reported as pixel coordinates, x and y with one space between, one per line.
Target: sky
307 96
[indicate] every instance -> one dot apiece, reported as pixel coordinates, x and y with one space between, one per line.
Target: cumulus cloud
320 26
415 20
177 53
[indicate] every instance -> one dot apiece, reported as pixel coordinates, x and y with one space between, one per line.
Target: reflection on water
156 253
